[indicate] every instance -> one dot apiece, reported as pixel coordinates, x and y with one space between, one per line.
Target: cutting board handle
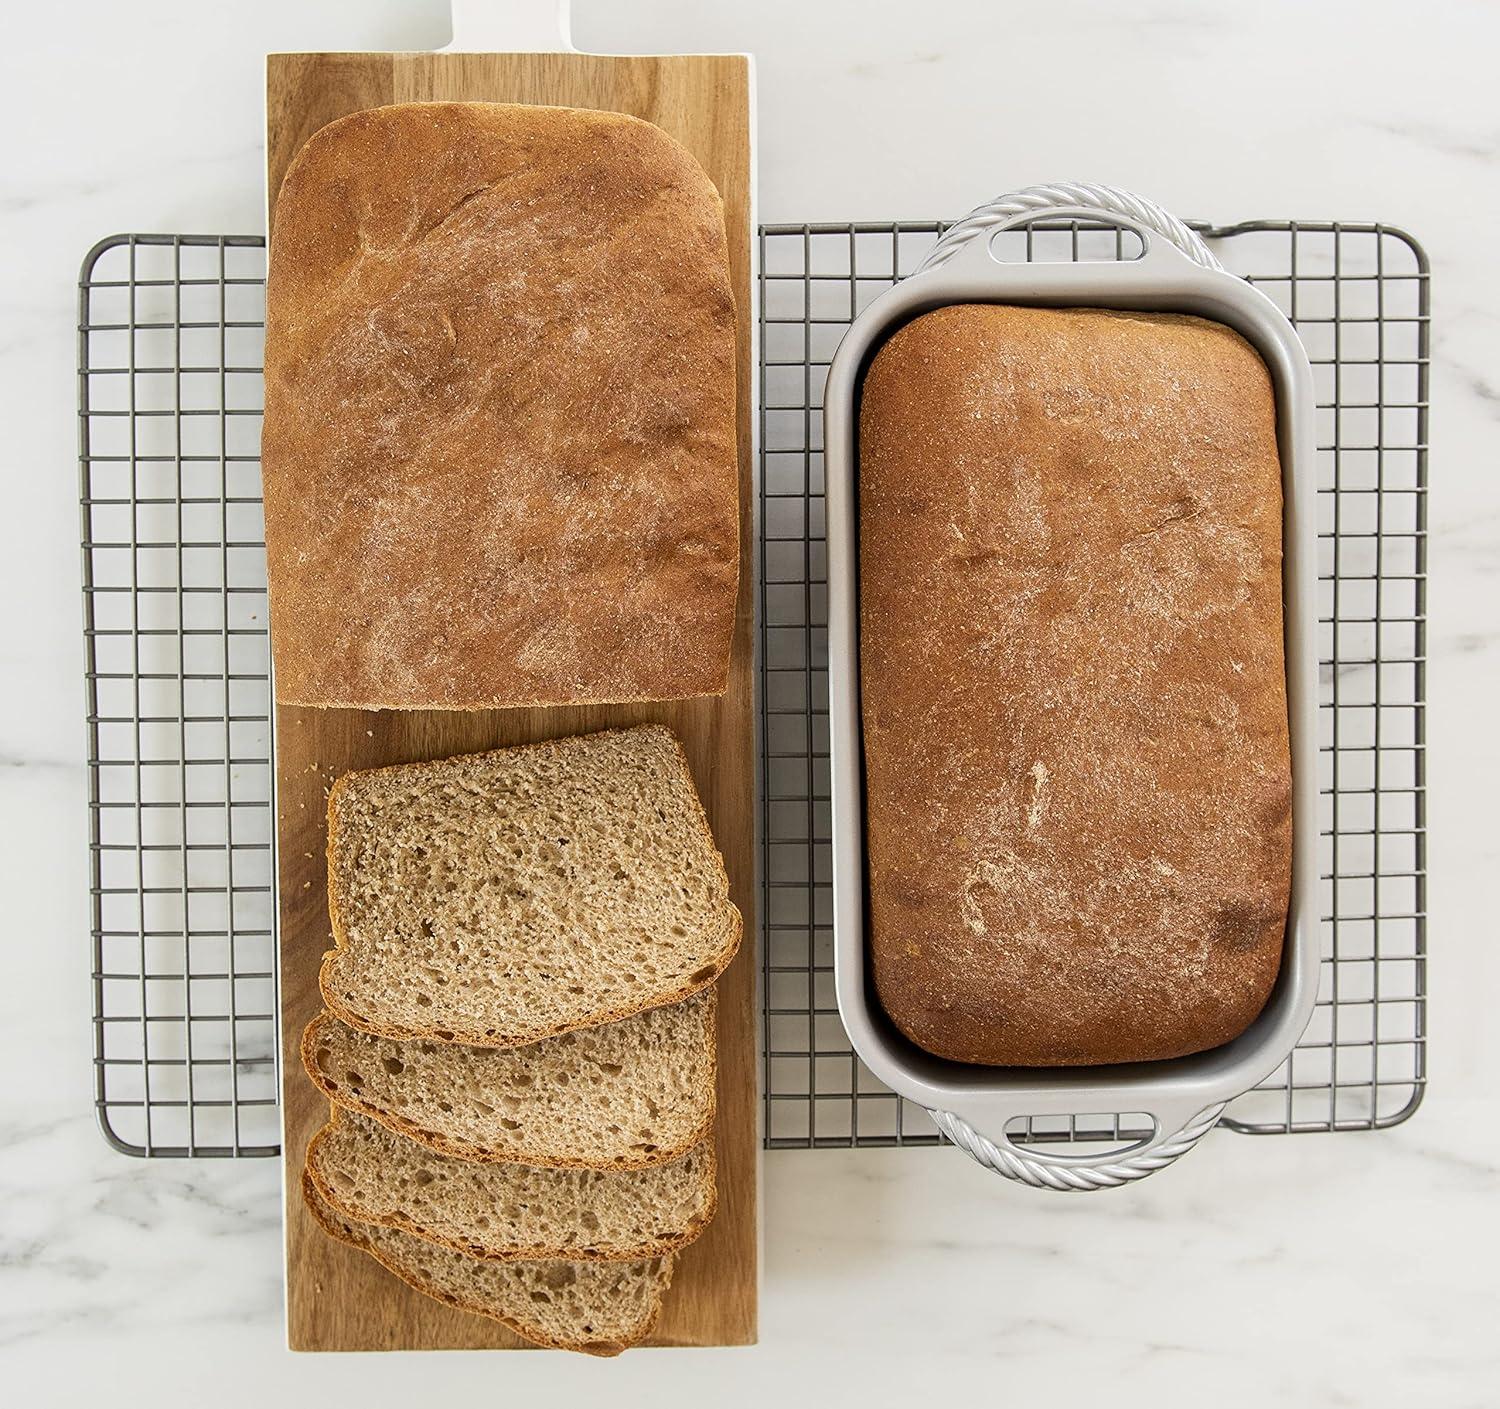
510 27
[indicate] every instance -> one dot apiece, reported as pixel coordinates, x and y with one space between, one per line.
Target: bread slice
499 898
510 1211
599 1308
628 1095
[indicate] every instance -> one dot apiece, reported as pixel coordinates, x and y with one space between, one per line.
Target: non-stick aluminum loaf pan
1183 1097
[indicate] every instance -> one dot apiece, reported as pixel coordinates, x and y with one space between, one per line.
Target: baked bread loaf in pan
1074 712
499 447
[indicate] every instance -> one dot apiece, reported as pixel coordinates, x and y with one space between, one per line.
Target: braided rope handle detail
1037 200
1067 1176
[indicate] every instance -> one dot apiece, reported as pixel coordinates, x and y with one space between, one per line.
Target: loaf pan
1183 1097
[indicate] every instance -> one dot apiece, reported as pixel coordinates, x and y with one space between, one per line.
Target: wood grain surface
337 1298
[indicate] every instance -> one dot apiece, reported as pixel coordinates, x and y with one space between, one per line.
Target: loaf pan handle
1074 200
1076 1173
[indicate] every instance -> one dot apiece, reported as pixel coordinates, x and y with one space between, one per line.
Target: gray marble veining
1301 1271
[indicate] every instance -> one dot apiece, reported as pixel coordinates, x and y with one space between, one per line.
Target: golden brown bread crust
1073 684
499 445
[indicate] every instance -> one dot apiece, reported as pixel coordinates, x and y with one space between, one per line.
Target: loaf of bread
499 446
1072 677
599 1308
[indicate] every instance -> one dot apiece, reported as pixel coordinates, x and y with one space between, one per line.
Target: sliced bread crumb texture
499 898
510 1211
626 1095
599 1308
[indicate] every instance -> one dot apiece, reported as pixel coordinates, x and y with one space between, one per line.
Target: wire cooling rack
1358 295
182 839
178 693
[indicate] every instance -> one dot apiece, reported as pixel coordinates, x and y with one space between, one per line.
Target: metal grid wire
181 837
178 693
1358 295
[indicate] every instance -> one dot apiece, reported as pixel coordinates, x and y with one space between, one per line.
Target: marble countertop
1312 1270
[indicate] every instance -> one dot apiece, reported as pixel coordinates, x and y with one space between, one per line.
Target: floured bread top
1073 685
499 446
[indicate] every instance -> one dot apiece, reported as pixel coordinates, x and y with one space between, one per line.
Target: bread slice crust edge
344 1097
603 1348
727 948
534 1253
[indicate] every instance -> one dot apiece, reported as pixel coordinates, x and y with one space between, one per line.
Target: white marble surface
1354 1270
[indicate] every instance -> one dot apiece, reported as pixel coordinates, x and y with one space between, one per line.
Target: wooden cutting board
337 1298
